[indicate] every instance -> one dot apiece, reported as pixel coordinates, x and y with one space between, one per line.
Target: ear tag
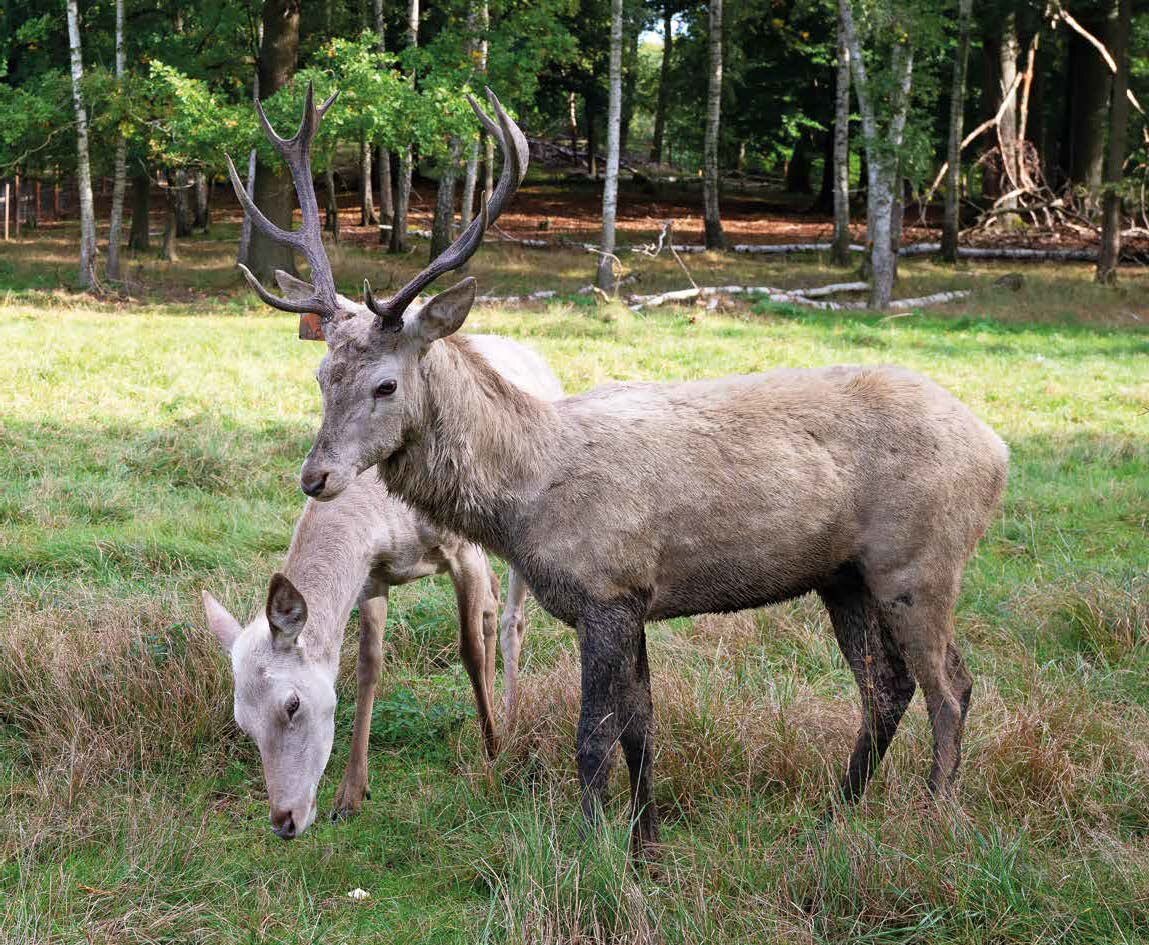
311 327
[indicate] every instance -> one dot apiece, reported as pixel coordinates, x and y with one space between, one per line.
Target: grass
150 448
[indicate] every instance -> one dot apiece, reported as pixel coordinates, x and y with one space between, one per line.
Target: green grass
150 450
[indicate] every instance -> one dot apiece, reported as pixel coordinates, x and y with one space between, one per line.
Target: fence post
17 206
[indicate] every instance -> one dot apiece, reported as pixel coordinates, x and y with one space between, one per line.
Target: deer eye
292 705
385 388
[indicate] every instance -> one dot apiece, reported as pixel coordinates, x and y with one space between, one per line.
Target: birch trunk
607 279
840 251
1109 256
202 202
382 157
116 224
881 156
331 223
399 241
951 222
478 21
366 199
663 84
715 238
245 231
1008 145
83 163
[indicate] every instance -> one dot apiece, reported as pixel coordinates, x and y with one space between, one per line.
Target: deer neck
479 447
329 561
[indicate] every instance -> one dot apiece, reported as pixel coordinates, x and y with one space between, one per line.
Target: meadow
150 448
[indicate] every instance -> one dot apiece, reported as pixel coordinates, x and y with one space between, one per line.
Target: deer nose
283 824
313 483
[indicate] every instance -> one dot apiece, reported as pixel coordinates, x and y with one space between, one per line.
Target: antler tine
515 157
308 239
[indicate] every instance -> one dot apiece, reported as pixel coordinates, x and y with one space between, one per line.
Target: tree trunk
171 223
715 238
1109 256
591 140
366 200
244 250
399 240
443 224
478 21
1089 99
663 83
1008 144
331 221
951 222
840 249
629 83
83 163
882 148
798 167
607 280
202 219
572 118
274 193
116 224
139 239
382 158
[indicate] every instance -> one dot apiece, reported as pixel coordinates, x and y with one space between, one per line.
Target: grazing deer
285 661
869 486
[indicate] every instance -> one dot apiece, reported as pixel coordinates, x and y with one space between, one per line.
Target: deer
352 552
868 486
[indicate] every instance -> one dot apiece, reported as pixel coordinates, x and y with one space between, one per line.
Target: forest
917 203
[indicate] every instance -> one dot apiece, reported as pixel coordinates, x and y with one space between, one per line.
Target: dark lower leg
638 748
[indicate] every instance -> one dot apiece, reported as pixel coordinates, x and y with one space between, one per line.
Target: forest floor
149 448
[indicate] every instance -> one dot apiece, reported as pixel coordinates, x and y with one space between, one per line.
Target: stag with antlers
640 502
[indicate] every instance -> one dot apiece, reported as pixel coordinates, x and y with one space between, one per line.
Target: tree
1109 257
115 229
715 238
274 194
663 82
402 183
478 22
382 157
83 161
606 279
952 220
882 134
840 248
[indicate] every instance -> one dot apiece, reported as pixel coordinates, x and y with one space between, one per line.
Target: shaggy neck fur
328 561
479 445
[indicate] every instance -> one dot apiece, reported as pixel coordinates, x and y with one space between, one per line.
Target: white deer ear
286 610
225 627
444 314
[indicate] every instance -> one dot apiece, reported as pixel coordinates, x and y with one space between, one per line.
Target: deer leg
472 590
372 620
636 735
491 629
884 682
607 637
922 625
511 632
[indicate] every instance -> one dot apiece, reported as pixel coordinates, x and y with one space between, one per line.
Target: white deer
355 549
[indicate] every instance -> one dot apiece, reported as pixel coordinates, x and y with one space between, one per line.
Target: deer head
284 701
370 379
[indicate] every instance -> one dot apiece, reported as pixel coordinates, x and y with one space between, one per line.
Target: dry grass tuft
95 688
1097 615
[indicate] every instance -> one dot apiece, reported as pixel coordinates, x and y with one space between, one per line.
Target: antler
308 239
389 312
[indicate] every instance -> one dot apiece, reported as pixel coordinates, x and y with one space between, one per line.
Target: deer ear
225 627
444 314
294 289
286 610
